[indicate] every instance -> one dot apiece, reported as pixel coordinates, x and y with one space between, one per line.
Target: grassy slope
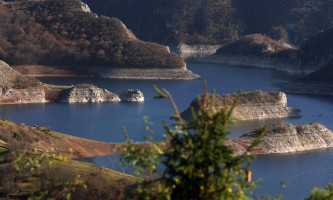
101 183
45 139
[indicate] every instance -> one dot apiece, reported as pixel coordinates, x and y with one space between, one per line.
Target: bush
321 194
196 163
17 136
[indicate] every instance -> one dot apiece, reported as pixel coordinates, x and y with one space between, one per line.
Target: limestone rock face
87 93
7 74
286 138
251 105
29 95
85 7
10 95
132 96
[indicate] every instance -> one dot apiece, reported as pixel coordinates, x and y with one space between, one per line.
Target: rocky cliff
286 138
87 93
251 105
16 88
7 74
28 95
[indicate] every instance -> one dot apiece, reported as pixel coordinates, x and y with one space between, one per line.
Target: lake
103 121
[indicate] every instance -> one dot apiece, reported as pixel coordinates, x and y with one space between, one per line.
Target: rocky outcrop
87 93
28 95
7 74
285 138
251 106
132 96
15 88
194 51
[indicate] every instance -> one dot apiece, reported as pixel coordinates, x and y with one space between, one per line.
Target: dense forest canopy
218 21
59 32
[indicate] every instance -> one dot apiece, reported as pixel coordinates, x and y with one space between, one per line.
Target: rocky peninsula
285 138
251 105
16 88
257 50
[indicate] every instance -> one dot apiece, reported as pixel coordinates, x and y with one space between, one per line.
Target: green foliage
17 136
196 161
321 193
36 163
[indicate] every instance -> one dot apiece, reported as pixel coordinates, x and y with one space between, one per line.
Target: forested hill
64 32
218 21
319 48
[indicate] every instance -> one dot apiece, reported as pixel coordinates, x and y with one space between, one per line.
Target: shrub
17 136
196 163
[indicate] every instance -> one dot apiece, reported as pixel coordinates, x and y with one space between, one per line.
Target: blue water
103 121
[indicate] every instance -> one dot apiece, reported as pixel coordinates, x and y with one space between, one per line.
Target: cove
103 121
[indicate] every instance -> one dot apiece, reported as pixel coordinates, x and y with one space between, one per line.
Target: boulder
132 96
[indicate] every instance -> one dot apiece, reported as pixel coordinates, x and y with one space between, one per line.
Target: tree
197 162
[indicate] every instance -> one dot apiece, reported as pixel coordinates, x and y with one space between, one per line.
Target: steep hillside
211 21
324 74
65 32
10 78
174 21
319 82
319 48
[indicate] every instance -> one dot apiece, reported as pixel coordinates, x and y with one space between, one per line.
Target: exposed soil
45 71
44 139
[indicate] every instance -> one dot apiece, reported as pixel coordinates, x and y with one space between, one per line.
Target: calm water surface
103 121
